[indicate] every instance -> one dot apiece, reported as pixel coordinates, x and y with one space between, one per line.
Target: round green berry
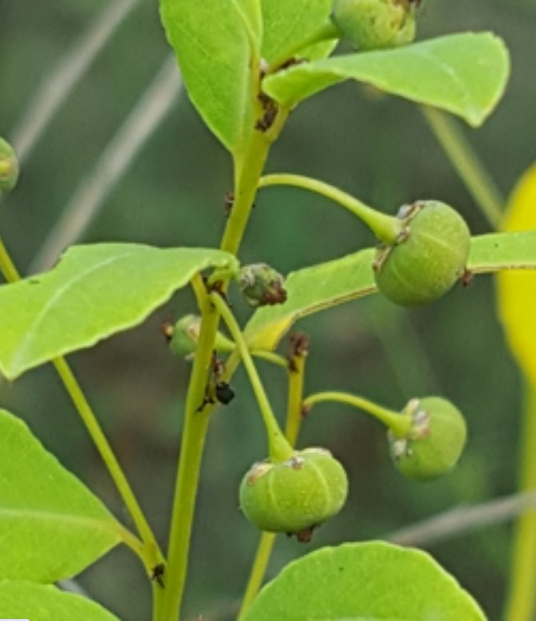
428 259
295 495
9 167
375 24
435 442
183 337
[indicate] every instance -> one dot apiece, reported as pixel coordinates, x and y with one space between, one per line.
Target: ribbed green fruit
375 24
426 263
435 443
185 334
9 167
295 495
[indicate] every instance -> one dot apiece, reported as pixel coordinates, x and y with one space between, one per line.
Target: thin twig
57 86
121 151
464 519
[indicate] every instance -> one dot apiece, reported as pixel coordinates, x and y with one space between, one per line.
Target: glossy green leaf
372 581
51 526
323 286
94 292
286 24
23 600
464 74
215 43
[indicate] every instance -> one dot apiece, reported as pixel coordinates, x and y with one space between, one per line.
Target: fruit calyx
435 441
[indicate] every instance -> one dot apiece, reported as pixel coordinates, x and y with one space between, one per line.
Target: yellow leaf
517 290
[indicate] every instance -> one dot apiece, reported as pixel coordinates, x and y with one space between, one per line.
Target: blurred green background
378 148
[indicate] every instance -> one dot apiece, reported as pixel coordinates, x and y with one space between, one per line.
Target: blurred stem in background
465 161
60 82
152 108
521 600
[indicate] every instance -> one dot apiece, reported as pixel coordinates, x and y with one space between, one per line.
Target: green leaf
464 74
51 526
286 23
94 292
323 286
215 43
372 581
311 290
23 600
503 251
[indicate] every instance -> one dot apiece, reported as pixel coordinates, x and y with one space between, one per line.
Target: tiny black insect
224 393
158 573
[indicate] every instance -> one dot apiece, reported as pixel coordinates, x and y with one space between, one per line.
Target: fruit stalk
398 423
387 229
278 447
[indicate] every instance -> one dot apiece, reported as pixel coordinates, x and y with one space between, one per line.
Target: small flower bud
261 285
295 495
435 442
376 24
9 167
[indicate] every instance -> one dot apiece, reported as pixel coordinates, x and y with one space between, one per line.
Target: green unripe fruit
184 335
375 24
9 167
435 442
295 495
429 258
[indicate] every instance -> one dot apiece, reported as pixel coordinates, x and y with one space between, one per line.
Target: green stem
521 605
296 370
270 356
248 171
325 32
152 554
195 429
248 166
192 448
278 447
7 267
158 598
461 155
398 423
258 571
386 228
